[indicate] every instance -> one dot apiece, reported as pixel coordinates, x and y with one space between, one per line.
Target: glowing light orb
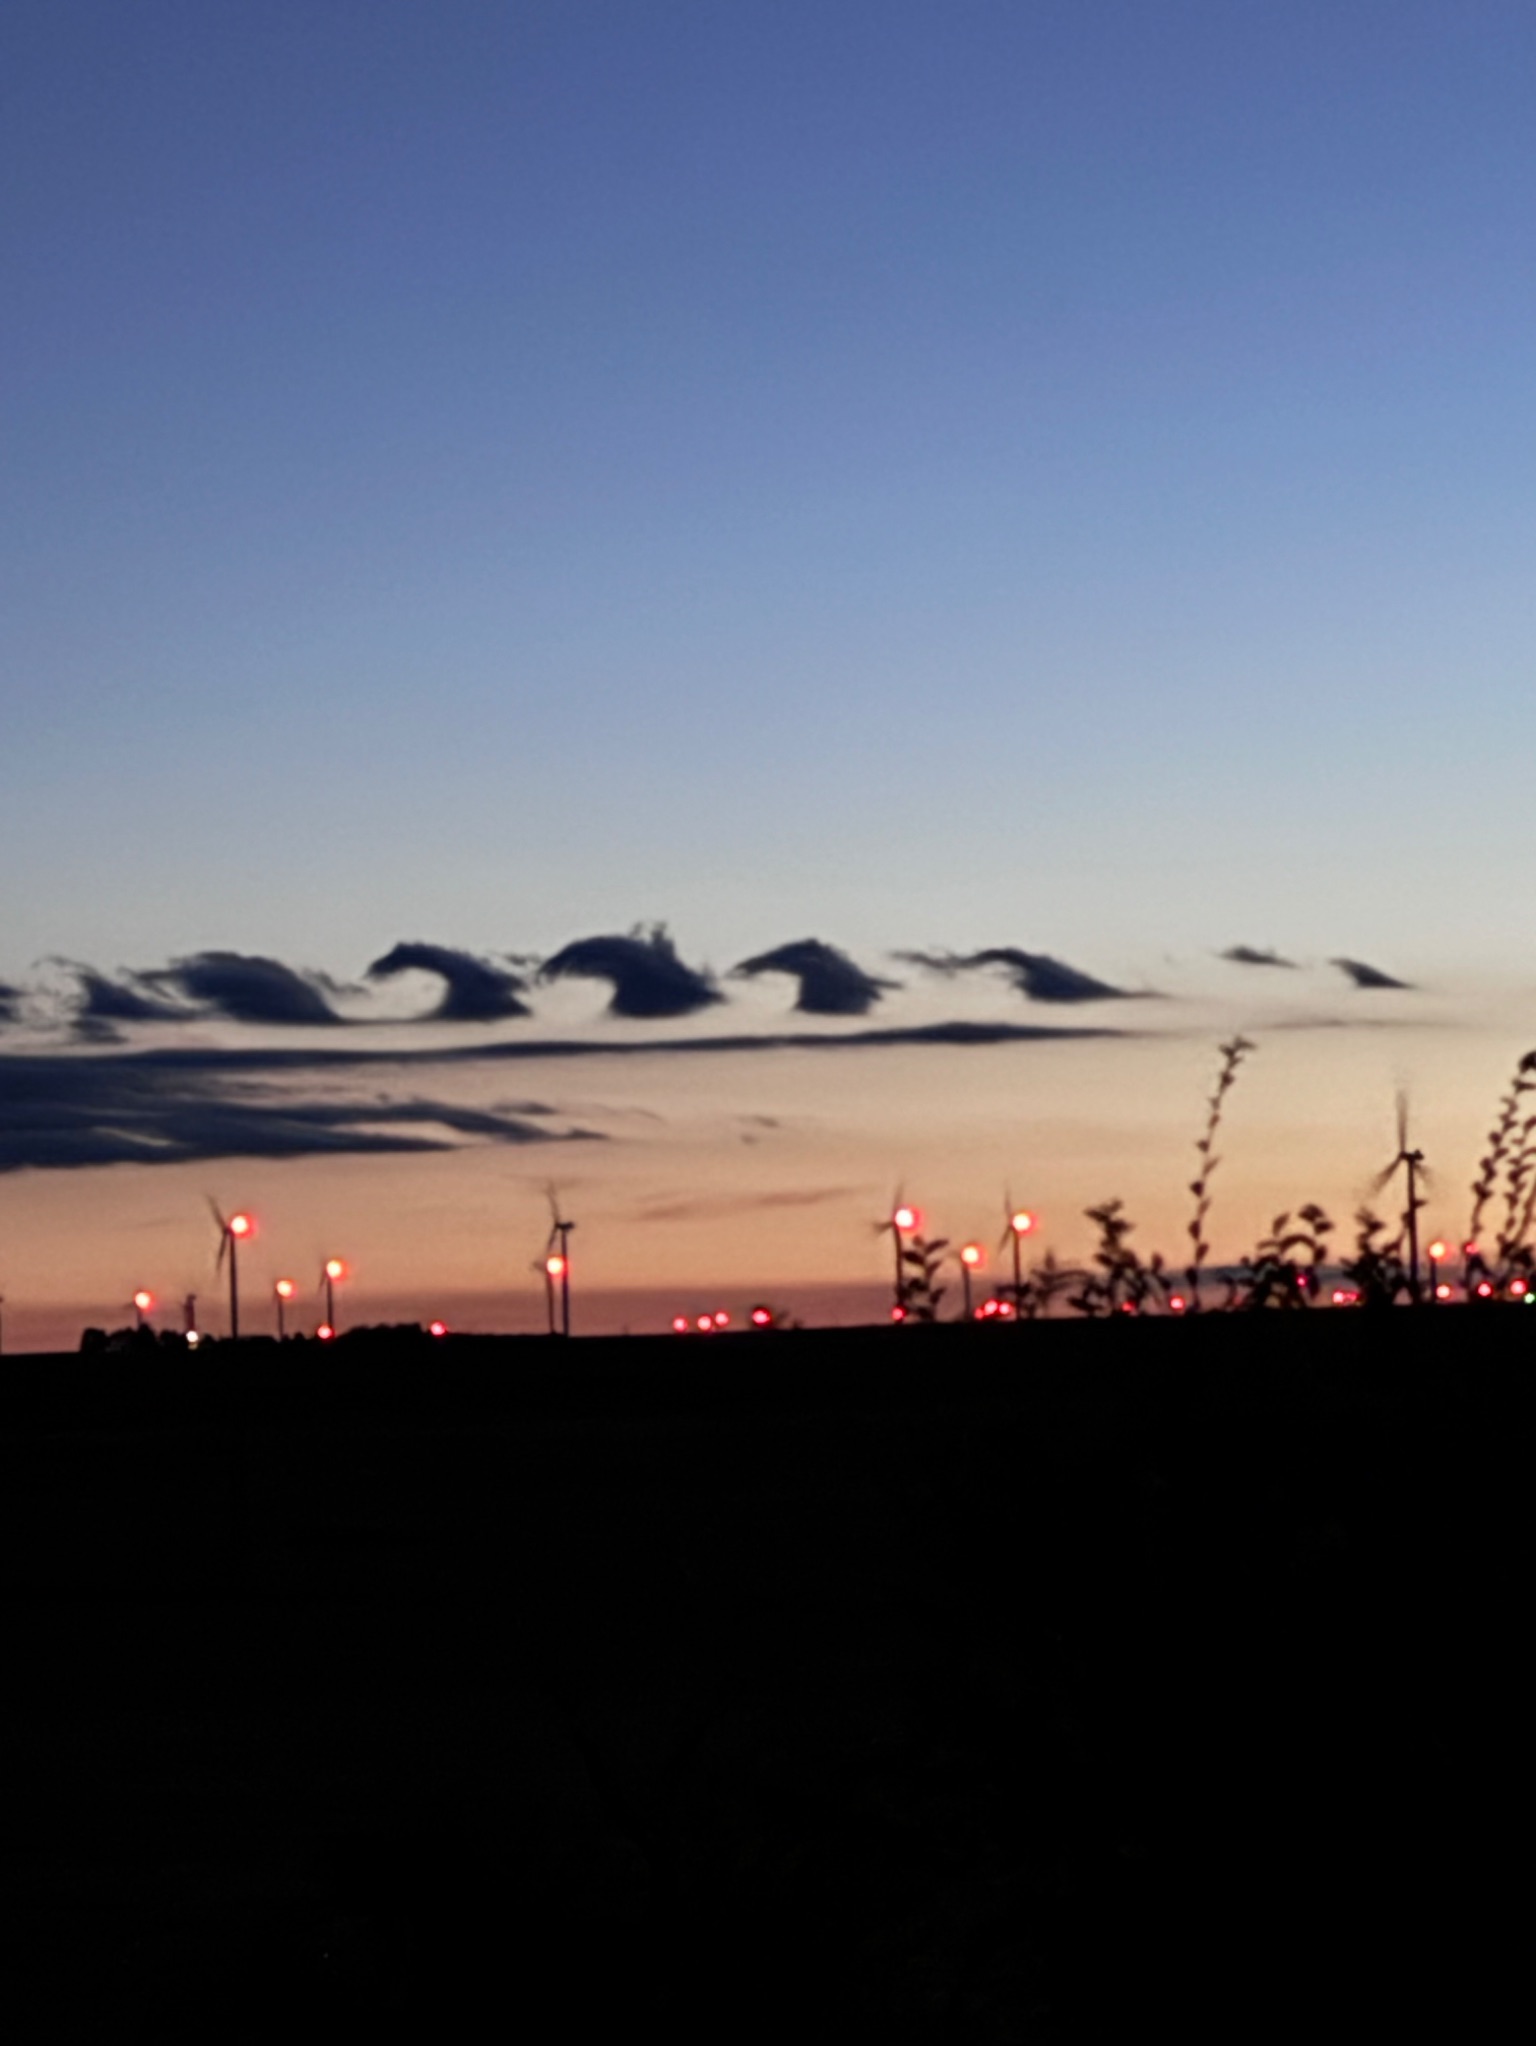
970 1255
555 1266
680 1324
438 1328
906 1218
325 1333
285 1289
240 1225
334 1268
143 1301
1022 1222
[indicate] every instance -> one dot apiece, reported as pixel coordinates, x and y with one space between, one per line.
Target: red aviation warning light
907 1219
437 1328
241 1226
325 1333
679 1324
143 1300
762 1317
722 1319
554 1264
1021 1221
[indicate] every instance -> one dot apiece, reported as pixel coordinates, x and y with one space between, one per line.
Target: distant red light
241 1225
1022 1222
143 1301
722 1319
555 1266
1484 1290
1177 1303
970 1255
285 1289
1437 1250
680 1324
705 1323
1442 1291
762 1317
439 1328
990 1308
1518 1288
906 1218
898 1314
324 1333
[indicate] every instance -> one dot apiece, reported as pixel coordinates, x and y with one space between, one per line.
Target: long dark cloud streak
153 1109
830 983
1250 955
476 990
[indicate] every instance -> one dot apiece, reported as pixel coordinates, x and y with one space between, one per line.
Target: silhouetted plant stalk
1123 1283
1506 1141
1377 1271
1286 1268
921 1292
1232 1055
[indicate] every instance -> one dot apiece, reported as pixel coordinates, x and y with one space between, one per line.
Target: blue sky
1043 474
1051 475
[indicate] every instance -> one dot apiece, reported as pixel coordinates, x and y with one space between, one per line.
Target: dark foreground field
965 1684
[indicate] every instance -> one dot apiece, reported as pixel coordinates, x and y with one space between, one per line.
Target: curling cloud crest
647 977
830 983
1367 976
477 990
244 987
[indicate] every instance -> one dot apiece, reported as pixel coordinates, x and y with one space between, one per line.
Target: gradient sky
960 472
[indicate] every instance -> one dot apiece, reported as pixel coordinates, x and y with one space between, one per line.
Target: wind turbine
1410 1162
1017 1223
233 1231
557 1264
902 1221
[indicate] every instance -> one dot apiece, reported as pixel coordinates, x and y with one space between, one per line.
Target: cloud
1247 955
62 1110
1367 976
478 991
647 977
1035 974
937 961
10 998
830 983
689 1210
244 987
104 1000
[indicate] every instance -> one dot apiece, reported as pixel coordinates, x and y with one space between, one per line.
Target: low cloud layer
143 1109
830 983
10 998
476 990
244 987
1368 976
643 969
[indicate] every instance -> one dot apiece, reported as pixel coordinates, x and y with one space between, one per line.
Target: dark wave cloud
476 990
244 987
1250 955
103 999
10 1002
1368 976
64 1111
643 969
1034 974
830 983
1044 979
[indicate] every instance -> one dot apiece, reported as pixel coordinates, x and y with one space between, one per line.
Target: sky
933 477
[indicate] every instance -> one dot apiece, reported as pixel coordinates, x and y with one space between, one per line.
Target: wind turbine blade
1385 1177
217 1214
218 1263
1402 1119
